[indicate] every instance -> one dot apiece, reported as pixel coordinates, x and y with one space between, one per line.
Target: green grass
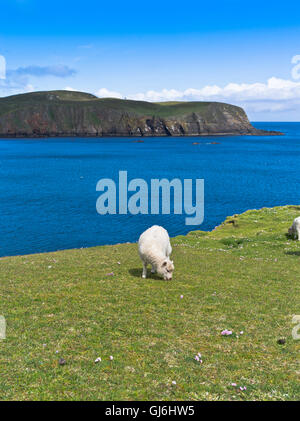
243 276
137 108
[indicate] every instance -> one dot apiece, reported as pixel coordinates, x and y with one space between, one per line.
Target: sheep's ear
164 263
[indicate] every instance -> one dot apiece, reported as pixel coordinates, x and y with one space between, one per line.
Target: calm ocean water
48 186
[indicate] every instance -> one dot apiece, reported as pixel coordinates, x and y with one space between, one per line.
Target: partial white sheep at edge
294 230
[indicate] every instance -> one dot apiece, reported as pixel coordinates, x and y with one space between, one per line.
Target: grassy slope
81 99
243 277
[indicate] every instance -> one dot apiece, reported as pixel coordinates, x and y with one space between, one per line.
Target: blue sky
232 51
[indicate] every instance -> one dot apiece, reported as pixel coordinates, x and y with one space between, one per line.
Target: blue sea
48 186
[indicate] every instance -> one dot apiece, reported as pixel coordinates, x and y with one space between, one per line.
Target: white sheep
155 249
294 230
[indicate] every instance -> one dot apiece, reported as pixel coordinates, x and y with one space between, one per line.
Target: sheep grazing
294 230
155 249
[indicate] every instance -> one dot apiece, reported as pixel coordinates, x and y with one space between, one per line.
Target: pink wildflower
226 332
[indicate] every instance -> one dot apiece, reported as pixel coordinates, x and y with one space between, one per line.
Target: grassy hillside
65 113
243 276
81 99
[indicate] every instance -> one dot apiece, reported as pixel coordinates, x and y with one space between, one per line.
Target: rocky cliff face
63 113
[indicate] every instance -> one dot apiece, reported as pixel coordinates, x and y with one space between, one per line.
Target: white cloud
274 90
29 88
105 93
17 81
274 97
68 88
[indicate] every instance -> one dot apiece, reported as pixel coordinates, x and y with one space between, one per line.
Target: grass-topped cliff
83 304
68 113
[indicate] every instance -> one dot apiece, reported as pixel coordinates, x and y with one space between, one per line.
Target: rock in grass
281 341
62 361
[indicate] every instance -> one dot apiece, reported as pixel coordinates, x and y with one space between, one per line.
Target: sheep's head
291 231
166 269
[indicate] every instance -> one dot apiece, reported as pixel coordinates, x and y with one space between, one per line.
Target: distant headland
79 114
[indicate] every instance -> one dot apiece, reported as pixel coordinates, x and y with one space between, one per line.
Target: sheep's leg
144 275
